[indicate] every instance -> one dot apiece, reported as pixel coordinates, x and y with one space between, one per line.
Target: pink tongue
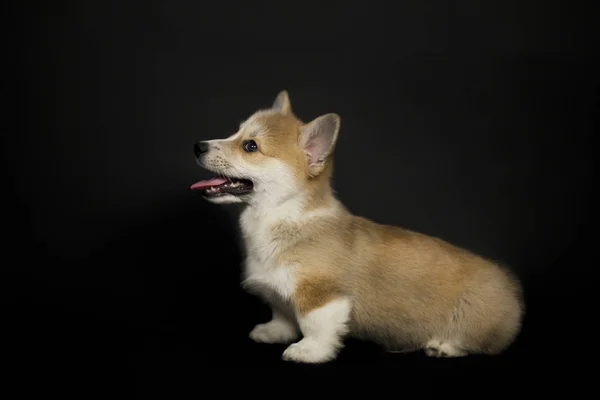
206 184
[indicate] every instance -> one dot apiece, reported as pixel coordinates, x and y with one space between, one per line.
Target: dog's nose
200 148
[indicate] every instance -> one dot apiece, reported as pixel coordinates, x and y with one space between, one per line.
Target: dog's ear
282 103
317 139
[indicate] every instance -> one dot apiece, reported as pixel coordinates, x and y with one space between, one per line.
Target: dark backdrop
467 120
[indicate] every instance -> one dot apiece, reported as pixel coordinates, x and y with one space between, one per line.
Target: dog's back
408 290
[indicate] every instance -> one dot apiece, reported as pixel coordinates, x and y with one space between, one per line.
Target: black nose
200 148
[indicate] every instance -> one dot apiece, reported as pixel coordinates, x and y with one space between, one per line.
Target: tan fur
406 289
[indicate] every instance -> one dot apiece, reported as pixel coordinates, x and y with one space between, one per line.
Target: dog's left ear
317 139
282 103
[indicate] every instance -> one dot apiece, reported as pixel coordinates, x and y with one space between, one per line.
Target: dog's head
273 155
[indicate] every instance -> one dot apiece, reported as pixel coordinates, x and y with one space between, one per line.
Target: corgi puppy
327 274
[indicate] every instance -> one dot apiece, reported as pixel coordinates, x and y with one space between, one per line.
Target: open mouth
223 185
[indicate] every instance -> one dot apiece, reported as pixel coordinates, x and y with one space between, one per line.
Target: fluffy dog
328 274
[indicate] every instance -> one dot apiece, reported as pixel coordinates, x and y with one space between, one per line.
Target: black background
467 120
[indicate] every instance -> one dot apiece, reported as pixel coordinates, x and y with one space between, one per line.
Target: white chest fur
263 246
261 269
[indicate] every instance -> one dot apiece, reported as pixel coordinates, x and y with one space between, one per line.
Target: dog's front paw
276 331
309 351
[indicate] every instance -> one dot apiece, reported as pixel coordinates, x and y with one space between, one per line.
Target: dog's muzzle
200 148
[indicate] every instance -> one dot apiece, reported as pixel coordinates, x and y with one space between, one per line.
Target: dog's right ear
282 103
317 139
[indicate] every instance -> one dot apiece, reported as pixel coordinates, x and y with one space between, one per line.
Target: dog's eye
250 146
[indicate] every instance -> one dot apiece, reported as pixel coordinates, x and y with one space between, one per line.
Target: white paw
435 348
309 351
275 331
